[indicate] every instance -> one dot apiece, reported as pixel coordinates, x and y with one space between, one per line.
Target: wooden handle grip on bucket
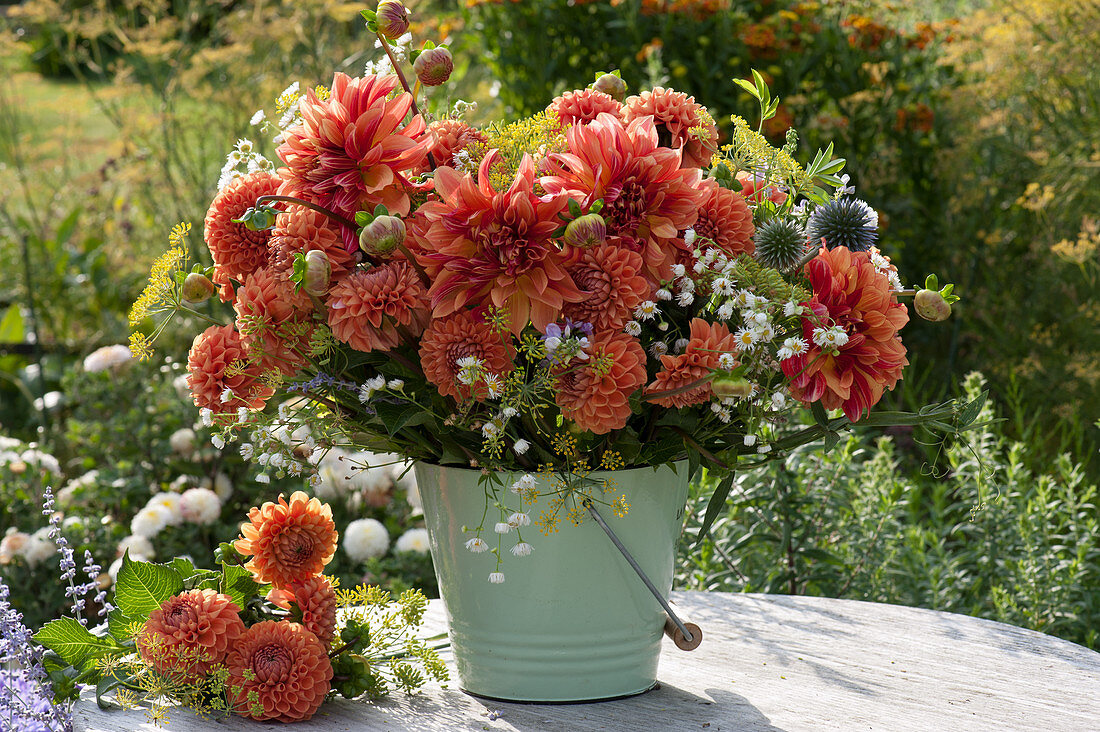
678 638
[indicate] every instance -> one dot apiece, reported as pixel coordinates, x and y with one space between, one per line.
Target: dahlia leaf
716 506
237 582
141 587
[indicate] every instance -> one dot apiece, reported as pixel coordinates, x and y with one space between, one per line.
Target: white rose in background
365 539
413 540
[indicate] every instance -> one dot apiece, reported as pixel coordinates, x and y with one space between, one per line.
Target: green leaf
716 506
748 87
369 15
11 325
396 416
237 582
74 643
141 587
971 411
819 414
184 566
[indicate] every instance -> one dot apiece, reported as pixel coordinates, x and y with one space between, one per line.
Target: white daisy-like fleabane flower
633 328
689 237
258 118
726 361
744 300
140 548
648 310
413 540
679 270
522 549
680 345
519 518
106 358
502 527
521 446
217 441
663 294
395 384
831 337
778 401
525 483
749 440
200 506
658 349
206 415
746 338
684 299
791 308
39 546
182 441
477 545
494 385
365 539
496 578
170 502
150 521
725 311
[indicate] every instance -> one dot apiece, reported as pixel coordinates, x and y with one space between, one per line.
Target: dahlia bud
392 19
196 288
730 387
931 305
318 273
433 66
612 86
586 231
381 236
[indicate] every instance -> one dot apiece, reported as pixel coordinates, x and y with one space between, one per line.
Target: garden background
973 128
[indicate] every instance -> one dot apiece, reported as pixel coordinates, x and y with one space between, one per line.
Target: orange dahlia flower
584 105
598 398
221 374
725 219
648 199
366 308
851 294
274 320
316 600
288 542
707 343
676 116
351 151
613 279
285 665
450 136
482 245
301 230
189 634
461 335
235 249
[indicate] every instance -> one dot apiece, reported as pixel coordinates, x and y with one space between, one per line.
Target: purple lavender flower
25 695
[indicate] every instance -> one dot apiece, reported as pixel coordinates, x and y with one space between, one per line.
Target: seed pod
931 305
434 66
586 231
381 236
197 288
392 19
318 273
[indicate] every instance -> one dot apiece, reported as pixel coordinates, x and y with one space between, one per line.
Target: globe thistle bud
433 66
318 273
780 244
728 386
392 19
612 86
381 236
586 231
931 305
845 222
196 288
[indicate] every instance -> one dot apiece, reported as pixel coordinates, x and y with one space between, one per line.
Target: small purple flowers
563 344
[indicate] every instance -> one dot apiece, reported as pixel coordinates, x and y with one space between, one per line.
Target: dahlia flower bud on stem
404 85
931 305
393 19
586 231
611 85
197 288
312 206
318 273
731 387
433 66
382 235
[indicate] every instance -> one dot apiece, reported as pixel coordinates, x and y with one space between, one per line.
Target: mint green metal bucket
572 621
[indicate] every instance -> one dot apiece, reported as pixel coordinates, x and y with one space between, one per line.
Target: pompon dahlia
235 249
189 633
681 123
288 542
848 292
584 105
274 320
707 343
613 279
725 219
596 393
449 136
367 308
316 600
301 230
458 336
487 246
285 665
647 198
220 373
351 151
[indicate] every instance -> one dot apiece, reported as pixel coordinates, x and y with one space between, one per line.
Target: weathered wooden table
772 662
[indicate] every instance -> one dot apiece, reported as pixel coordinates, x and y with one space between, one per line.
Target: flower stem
401 77
319 209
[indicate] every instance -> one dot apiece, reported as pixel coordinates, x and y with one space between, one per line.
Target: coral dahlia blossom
584 105
707 343
288 542
614 281
235 249
273 319
450 136
317 601
851 294
189 633
366 308
352 150
220 374
725 219
596 397
459 336
301 230
285 665
681 123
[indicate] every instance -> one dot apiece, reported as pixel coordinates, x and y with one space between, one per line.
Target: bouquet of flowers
602 285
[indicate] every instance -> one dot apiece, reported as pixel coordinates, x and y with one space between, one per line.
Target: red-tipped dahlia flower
614 281
850 293
724 219
707 343
484 246
285 665
449 136
367 308
648 199
676 115
461 335
221 374
594 396
235 249
351 151
301 230
316 600
189 633
288 542
584 105
274 320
